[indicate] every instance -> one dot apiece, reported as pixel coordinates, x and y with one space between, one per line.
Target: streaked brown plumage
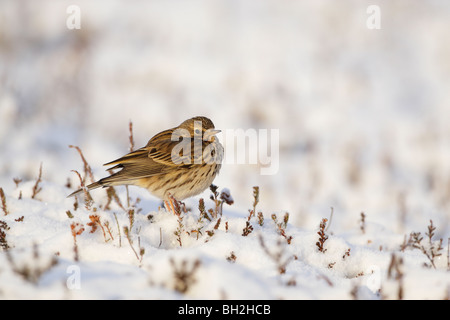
181 174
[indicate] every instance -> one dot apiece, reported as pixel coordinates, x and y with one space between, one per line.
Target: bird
175 164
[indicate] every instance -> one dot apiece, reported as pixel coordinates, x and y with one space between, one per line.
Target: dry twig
3 198
36 188
87 167
322 236
184 277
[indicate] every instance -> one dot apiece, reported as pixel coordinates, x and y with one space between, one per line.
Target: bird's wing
174 148
135 165
171 153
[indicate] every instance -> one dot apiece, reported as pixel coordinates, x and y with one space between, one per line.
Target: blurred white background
362 114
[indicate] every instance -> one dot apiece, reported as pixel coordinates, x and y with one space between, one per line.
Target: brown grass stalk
87 167
4 206
36 188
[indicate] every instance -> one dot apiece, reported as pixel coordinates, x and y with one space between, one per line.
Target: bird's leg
173 205
166 205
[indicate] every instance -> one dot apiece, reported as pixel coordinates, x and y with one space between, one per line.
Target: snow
362 122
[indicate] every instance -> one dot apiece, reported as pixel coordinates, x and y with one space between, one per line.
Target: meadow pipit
176 163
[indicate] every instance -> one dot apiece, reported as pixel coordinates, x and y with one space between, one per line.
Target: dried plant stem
96 222
395 272
362 224
179 231
248 226
130 213
76 229
130 241
3 198
281 226
118 229
130 128
217 203
36 188
184 277
201 208
3 242
277 255
255 200
112 195
415 241
128 196
322 236
252 212
33 271
87 167
88 201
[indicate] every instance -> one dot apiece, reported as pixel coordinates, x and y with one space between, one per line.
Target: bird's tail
94 185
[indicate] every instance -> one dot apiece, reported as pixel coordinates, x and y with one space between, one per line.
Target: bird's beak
210 133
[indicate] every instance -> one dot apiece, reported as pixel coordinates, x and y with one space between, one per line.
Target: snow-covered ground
362 117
